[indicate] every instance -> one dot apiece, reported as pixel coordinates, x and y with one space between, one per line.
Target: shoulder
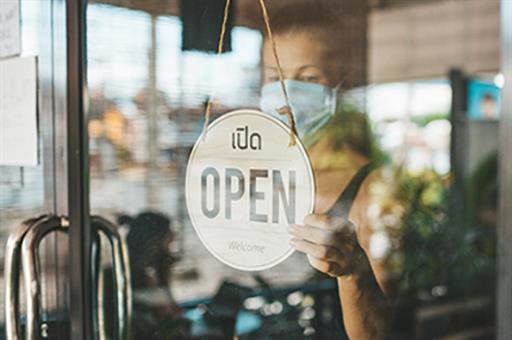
367 206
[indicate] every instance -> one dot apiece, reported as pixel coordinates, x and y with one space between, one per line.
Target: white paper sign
18 112
244 186
10 41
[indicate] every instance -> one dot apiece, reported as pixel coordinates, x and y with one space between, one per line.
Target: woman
335 237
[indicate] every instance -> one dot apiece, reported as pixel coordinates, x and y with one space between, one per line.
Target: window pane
403 153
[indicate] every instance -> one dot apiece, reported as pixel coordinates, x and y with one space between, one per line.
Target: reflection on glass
149 240
385 255
22 189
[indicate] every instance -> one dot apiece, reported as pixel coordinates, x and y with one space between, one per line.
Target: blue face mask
312 104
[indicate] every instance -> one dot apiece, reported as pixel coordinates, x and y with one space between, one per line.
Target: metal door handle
31 269
99 315
12 277
122 279
24 244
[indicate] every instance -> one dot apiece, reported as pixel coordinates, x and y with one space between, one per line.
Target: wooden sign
244 186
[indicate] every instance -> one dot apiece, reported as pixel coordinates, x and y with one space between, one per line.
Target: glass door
402 240
51 246
32 197
385 222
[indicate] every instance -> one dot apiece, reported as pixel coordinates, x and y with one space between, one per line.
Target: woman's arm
332 247
366 310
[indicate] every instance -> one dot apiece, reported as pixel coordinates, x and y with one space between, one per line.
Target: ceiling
248 12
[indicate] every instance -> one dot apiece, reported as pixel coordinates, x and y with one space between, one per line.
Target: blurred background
426 77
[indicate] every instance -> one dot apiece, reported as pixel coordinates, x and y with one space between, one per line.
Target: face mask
312 104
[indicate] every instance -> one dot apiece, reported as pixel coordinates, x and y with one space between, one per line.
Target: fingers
328 242
324 230
321 252
328 222
315 235
319 221
329 268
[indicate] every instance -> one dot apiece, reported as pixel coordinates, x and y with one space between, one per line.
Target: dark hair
338 25
145 237
146 226
303 15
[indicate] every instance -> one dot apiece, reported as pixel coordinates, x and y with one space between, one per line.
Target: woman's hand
332 247
330 243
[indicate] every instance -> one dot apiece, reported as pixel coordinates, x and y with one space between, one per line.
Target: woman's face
303 57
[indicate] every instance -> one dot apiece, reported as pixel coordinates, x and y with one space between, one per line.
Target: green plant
435 256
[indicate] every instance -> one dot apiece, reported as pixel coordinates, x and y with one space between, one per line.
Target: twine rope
286 109
220 47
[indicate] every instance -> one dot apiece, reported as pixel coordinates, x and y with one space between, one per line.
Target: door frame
80 229
504 232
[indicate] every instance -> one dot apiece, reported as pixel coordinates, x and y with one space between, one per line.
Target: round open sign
244 186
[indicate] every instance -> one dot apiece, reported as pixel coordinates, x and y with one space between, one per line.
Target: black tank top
344 203
342 209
